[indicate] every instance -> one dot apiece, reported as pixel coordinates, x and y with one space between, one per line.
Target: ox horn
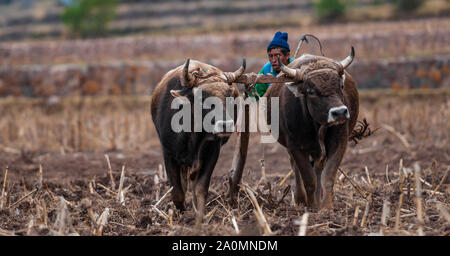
186 78
290 72
347 61
233 76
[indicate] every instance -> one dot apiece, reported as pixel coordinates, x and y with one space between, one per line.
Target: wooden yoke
250 79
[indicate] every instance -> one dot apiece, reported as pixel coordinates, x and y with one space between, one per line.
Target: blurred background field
75 87
31 20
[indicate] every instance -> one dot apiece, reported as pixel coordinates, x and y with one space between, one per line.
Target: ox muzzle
224 128
338 115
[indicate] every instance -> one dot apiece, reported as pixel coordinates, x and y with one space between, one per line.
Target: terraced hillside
392 54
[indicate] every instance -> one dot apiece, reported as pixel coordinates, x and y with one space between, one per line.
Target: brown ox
318 112
189 154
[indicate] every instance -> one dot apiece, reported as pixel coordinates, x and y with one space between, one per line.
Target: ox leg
335 153
173 171
318 168
300 193
307 175
209 156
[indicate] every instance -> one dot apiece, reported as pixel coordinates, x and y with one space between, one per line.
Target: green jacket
260 89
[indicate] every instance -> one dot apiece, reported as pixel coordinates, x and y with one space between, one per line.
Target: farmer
277 47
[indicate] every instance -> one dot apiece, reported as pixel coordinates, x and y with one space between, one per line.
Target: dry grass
124 123
76 124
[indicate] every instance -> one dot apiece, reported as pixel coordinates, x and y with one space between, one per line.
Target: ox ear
296 89
177 94
230 92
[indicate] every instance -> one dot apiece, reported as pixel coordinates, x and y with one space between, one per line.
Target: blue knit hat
280 39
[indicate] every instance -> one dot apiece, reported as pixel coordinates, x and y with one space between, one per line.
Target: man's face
273 58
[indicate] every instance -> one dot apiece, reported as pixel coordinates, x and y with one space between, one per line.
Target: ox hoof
198 224
233 202
300 198
300 201
313 202
327 204
314 206
180 206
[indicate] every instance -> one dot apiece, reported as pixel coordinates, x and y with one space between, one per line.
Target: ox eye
311 92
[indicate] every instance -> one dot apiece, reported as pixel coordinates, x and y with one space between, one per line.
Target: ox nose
224 126
338 114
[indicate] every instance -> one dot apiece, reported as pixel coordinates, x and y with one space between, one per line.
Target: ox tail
361 131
